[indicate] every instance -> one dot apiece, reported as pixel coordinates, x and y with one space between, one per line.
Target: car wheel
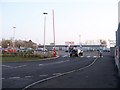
77 55
81 54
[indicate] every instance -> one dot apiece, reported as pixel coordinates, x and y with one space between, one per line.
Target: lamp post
44 28
54 49
14 37
80 41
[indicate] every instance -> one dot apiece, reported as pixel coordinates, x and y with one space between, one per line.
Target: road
62 72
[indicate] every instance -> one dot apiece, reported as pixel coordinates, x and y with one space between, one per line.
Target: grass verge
24 57
18 59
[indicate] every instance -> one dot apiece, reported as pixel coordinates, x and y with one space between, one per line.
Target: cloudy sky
89 19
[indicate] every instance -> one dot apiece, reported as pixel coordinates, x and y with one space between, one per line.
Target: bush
28 54
8 55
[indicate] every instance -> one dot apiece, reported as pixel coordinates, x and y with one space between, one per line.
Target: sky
75 20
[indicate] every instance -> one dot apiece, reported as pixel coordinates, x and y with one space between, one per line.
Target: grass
24 57
18 59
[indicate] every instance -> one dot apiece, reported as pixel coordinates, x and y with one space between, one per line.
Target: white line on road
28 76
13 67
56 74
14 77
20 66
43 75
65 56
81 56
40 64
7 66
100 56
94 56
41 81
88 56
58 62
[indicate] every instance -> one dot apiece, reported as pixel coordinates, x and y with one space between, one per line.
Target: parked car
76 52
41 49
28 50
9 50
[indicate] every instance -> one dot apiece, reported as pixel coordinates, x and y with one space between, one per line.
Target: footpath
101 74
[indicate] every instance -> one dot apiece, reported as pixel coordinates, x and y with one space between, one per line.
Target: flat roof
72 45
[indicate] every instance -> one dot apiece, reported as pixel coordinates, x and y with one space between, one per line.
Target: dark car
76 52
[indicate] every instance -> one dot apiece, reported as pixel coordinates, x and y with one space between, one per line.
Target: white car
41 49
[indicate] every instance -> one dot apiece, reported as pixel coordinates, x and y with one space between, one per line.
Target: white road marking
56 74
43 75
88 56
40 64
81 56
58 62
62 61
14 77
7 66
65 56
13 67
20 66
28 76
100 57
94 56
68 72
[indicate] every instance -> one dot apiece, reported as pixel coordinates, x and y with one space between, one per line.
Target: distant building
118 31
117 47
65 47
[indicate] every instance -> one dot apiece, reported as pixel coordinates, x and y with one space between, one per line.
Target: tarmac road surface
101 74
88 71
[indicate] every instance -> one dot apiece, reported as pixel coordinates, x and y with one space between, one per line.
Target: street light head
45 13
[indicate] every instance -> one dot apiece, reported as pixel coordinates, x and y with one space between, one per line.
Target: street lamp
54 49
44 28
80 41
14 37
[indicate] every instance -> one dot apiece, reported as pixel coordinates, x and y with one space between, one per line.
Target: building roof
72 45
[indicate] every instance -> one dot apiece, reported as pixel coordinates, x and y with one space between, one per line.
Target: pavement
102 74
